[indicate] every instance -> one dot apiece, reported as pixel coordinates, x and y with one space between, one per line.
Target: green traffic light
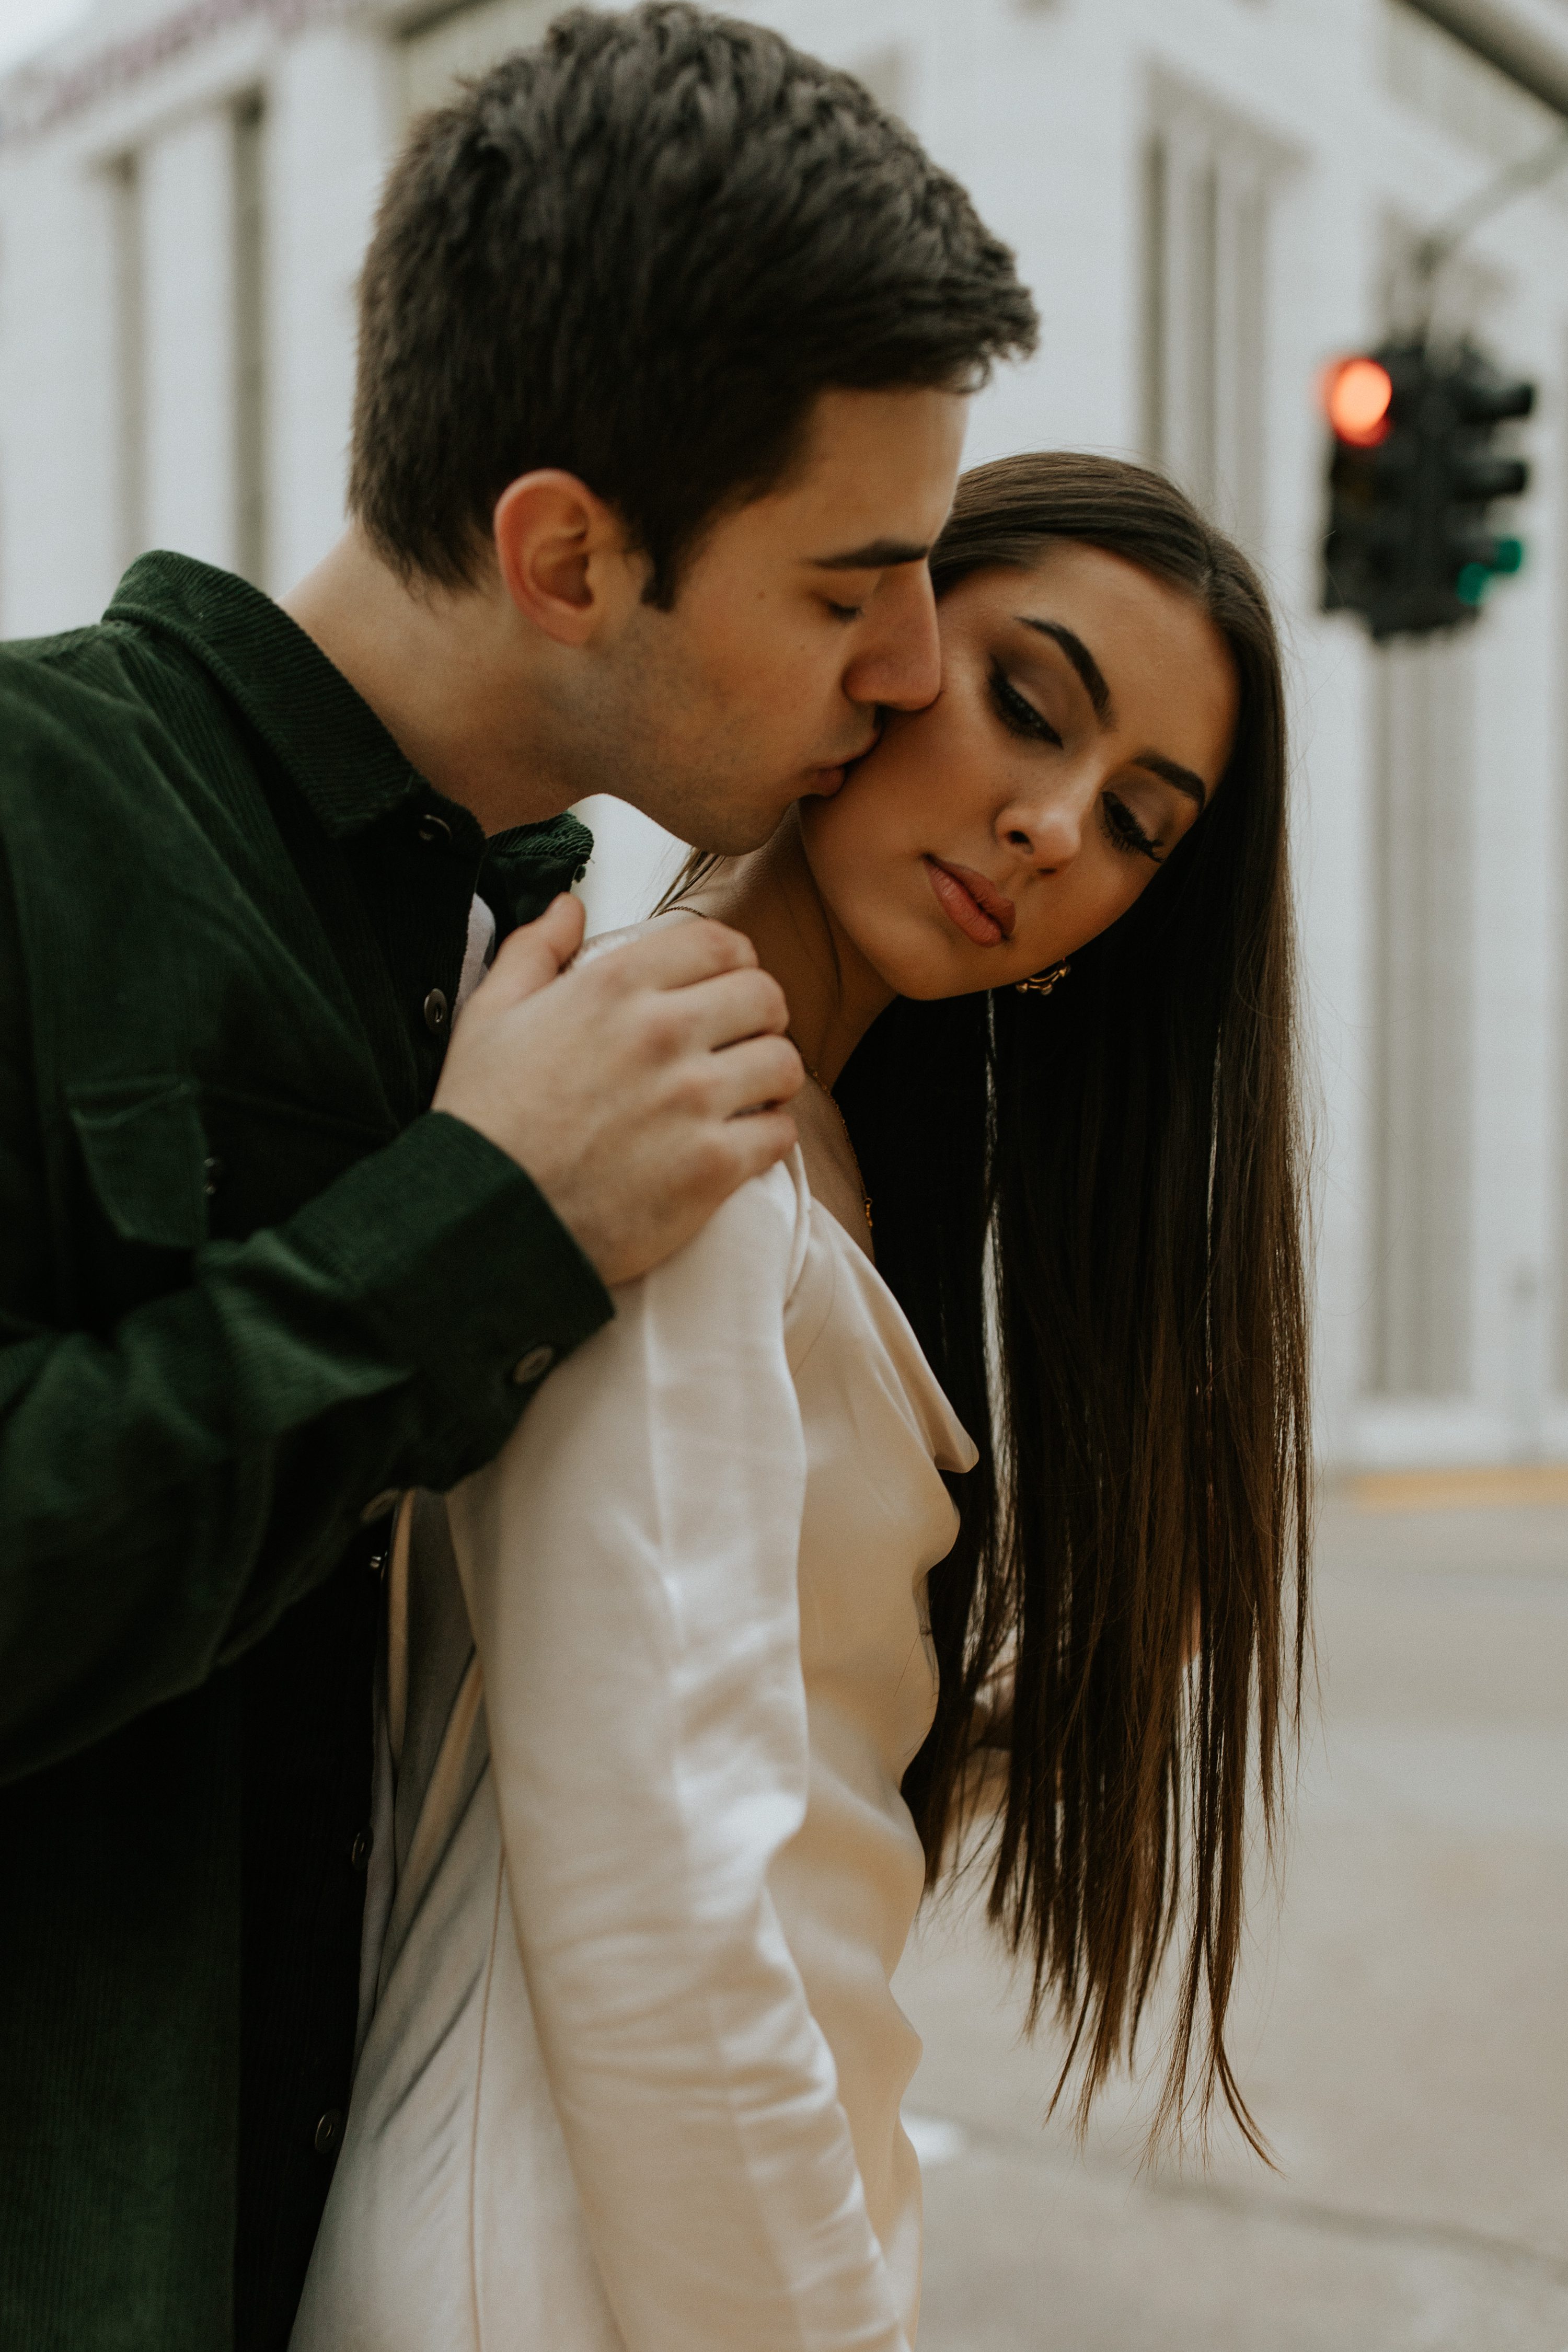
1507 557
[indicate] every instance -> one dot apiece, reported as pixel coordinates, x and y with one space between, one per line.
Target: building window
1209 182
189 246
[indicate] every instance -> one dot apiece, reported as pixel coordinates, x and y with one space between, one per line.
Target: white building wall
1325 129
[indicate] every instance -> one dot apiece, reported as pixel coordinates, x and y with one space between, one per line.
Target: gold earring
1040 983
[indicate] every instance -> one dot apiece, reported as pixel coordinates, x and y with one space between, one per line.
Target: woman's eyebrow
1175 773
1082 660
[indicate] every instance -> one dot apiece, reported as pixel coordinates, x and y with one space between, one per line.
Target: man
666 337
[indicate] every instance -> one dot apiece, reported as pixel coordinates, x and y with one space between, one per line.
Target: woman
662 1818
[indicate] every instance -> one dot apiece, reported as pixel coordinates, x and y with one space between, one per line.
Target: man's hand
620 1086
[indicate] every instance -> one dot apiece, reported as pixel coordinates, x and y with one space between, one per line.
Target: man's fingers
530 958
720 1011
753 1077
675 955
643 1086
759 1143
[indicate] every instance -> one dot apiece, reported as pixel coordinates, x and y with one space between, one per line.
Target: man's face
798 618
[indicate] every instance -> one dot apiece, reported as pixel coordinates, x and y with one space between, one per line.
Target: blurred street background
1402 2036
1215 202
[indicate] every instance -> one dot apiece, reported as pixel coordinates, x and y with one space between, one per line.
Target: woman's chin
912 955
932 979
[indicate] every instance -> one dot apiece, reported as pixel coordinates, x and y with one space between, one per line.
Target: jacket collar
346 764
329 739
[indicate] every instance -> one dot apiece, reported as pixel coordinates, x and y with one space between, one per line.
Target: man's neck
833 995
438 667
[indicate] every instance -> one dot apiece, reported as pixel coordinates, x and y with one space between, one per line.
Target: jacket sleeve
168 1485
631 1564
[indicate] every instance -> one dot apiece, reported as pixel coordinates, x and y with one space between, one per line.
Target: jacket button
359 1852
212 1175
378 1506
435 1011
433 827
329 2132
533 1366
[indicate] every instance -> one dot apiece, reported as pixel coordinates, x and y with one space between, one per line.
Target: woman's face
1084 718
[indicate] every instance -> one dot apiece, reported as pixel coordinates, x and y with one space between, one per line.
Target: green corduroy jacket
249 1284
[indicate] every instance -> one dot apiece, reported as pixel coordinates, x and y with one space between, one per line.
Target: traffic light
1411 477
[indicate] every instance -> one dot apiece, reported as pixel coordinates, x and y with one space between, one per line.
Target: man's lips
828 779
982 912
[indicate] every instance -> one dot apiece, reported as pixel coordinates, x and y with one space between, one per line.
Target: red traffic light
1358 395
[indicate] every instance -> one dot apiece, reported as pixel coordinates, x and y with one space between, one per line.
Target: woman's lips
982 912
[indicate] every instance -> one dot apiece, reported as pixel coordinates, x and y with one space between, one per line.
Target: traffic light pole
1439 245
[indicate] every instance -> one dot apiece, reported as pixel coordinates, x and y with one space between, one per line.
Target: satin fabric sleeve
630 1564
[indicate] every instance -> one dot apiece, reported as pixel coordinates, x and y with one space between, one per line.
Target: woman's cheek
841 837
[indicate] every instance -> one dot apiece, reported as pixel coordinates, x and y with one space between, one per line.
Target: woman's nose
1047 831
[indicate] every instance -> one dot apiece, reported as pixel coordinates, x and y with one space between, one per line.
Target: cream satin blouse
631 2068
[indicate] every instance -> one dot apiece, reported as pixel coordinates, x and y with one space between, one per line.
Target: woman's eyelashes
1018 714
1126 832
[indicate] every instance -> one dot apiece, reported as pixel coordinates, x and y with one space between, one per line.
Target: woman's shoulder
752 1247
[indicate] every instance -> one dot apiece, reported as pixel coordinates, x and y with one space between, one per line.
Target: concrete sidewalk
1402 2037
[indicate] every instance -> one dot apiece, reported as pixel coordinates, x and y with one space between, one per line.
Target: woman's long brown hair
1123 1620
1131 1570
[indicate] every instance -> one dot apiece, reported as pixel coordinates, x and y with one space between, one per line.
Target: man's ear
563 555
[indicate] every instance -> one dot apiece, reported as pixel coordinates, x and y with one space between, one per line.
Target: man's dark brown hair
639 252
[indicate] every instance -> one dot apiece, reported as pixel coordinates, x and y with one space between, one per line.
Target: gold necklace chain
823 1087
